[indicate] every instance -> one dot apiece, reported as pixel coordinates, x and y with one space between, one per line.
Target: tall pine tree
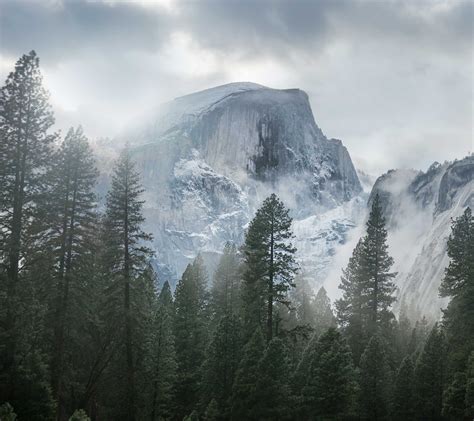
73 204
25 160
269 264
191 334
126 257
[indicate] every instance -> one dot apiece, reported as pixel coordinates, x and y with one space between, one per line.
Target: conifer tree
364 309
25 159
190 331
126 257
458 284
244 391
377 284
429 376
273 390
454 397
222 359
161 365
269 264
329 389
469 398
351 308
73 217
403 399
225 291
323 315
375 380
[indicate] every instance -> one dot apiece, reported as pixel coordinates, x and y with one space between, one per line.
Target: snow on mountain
209 159
419 207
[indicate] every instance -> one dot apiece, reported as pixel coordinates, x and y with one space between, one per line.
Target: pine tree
375 380
73 221
273 389
454 398
323 315
403 402
458 283
25 159
269 264
364 309
222 359
161 365
126 259
225 292
244 391
377 284
469 398
429 376
190 331
350 309
329 388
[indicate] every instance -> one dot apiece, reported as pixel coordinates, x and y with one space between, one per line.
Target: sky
392 79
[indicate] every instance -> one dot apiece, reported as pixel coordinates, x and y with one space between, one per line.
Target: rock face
419 208
210 158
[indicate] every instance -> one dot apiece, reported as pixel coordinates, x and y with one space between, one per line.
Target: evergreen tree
469 398
323 315
269 264
454 398
302 302
429 376
403 400
225 292
377 285
244 392
222 359
458 283
350 309
273 389
73 222
125 258
375 380
161 365
364 309
190 331
25 159
330 377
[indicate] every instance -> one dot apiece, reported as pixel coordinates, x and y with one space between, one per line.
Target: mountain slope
210 158
419 207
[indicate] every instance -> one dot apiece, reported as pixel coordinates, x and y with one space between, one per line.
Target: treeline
86 333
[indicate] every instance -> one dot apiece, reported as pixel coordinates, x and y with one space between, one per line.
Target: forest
88 333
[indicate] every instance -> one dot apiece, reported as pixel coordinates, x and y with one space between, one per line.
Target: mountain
209 159
419 207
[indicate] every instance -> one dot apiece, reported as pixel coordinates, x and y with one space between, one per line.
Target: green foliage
329 385
191 333
429 376
469 399
273 391
458 284
79 415
364 308
375 380
269 264
220 366
454 398
7 413
404 402
244 392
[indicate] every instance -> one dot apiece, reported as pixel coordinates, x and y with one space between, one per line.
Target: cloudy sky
392 79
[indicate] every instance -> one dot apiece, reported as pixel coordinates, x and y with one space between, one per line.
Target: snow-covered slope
209 159
419 207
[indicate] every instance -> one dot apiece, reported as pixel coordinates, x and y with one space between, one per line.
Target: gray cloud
392 79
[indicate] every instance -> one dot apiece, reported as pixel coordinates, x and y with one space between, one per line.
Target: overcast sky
392 79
